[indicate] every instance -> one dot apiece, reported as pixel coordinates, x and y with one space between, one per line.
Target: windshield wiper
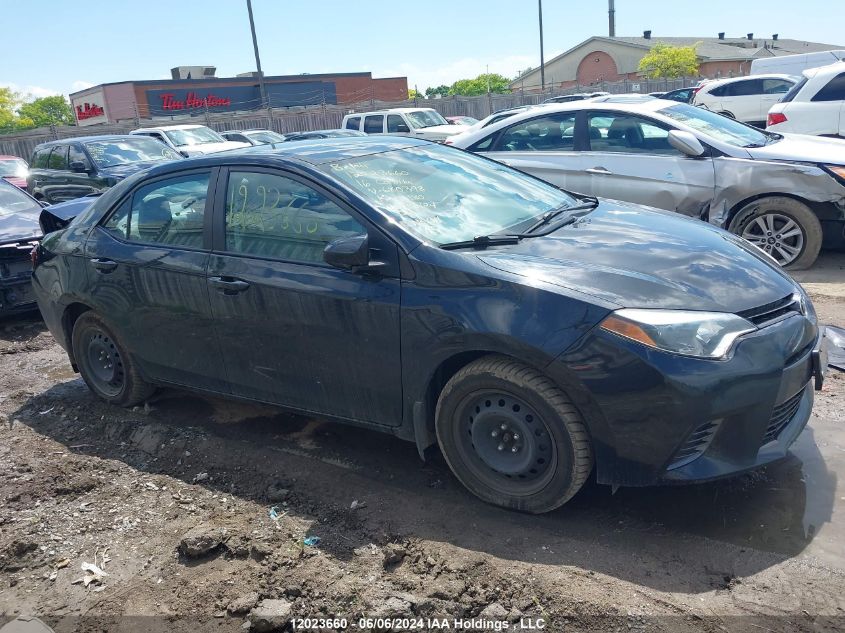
547 217
483 241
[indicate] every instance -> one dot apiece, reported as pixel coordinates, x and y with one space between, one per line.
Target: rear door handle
598 170
228 285
104 265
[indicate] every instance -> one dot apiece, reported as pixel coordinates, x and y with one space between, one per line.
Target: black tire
547 455
105 365
753 219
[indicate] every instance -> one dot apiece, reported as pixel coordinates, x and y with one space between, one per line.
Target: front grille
782 415
696 444
771 311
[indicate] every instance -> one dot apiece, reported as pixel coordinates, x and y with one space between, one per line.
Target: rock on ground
270 615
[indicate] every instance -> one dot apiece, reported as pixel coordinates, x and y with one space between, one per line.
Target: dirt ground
196 509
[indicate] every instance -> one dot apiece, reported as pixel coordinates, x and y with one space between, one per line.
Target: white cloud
29 91
80 84
466 68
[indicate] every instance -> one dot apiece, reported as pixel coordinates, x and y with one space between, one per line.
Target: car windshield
129 150
425 118
13 200
444 195
266 137
194 136
717 126
14 167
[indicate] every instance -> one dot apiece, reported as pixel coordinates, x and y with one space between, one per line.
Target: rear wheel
512 437
785 228
105 365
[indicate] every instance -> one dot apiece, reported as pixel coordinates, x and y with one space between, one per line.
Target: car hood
635 257
212 148
442 130
127 169
802 148
57 216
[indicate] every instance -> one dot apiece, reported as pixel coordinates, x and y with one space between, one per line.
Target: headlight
699 334
807 308
837 170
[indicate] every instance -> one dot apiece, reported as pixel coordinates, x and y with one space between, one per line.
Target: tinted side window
611 132
744 88
118 222
776 86
552 133
353 123
719 91
39 158
272 216
170 211
374 124
396 123
58 158
76 155
833 91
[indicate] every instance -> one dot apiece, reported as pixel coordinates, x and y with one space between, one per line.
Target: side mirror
686 143
79 167
348 253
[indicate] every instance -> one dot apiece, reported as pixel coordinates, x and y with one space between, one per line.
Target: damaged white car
784 193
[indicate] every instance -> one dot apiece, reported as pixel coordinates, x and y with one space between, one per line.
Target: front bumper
662 418
16 283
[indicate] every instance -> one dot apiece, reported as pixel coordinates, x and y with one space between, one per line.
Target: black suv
71 168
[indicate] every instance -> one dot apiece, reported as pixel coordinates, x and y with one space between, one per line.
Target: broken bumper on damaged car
657 418
16 277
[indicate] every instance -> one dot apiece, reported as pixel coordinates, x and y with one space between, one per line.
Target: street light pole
542 61
264 101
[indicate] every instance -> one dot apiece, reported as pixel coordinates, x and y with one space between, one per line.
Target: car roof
389 111
86 139
721 82
184 126
257 129
313 152
831 69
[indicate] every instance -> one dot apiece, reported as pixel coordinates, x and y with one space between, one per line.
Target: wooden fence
324 116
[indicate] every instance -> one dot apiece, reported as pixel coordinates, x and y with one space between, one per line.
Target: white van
795 64
424 123
190 140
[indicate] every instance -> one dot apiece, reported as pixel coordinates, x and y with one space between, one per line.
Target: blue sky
61 46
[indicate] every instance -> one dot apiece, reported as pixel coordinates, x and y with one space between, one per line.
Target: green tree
47 110
442 90
9 103
413 94
478 86
669 62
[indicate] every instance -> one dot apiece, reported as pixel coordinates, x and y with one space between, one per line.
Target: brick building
112 102
599 59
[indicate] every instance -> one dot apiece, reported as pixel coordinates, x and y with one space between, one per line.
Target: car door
38 172
743 99
294 330
397 126
545 146
82 178
55 179
147 264
630 159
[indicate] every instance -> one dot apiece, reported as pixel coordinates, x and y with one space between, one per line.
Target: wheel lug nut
501 447
504 427
514 449
495 433
516 436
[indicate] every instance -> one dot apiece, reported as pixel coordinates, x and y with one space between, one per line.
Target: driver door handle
228 285
104 265
598 170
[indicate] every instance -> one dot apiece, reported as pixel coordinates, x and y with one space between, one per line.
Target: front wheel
105 365
785 228
511 436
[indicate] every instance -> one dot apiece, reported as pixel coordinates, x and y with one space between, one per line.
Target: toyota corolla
532 334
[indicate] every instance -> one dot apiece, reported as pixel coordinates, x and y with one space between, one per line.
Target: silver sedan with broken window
784 193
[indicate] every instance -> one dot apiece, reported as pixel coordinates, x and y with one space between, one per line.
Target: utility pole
611 18
542 61
261 87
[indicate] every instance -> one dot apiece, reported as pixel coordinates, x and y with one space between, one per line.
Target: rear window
833 91
789 96
353 123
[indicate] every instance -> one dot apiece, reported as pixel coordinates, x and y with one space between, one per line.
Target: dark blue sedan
412 288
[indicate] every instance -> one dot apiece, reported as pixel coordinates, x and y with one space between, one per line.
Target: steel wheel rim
506 443
105 367
776 234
